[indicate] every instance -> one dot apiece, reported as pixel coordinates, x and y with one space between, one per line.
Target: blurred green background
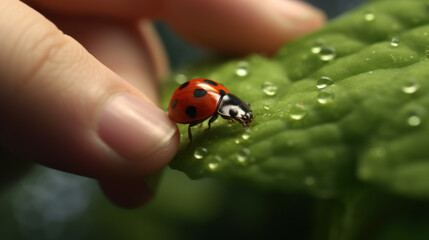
41 203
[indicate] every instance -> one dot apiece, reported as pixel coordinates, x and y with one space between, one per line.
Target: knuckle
45 54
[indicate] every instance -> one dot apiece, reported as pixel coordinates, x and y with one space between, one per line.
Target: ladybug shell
195 100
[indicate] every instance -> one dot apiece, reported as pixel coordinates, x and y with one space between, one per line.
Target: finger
136 56
133 52
130 193
127 194
66 110
242 26
123 9
232 27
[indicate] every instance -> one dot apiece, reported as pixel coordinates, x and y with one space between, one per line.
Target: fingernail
297 10
133 127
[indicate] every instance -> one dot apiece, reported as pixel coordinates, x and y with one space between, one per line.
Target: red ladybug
198 99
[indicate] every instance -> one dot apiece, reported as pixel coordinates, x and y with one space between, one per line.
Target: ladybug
199 99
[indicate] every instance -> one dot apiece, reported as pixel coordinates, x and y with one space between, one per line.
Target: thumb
64 109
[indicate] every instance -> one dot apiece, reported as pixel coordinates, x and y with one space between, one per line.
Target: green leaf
344 105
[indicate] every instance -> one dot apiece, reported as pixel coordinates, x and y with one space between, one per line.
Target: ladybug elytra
199 99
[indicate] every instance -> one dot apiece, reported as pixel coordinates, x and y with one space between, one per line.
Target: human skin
79 79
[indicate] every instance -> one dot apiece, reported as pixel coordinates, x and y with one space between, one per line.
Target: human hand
85 102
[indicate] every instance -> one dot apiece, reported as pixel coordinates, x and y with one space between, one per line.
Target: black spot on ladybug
173 104
191 111
233 112
222 92
184 85
210 82
199 92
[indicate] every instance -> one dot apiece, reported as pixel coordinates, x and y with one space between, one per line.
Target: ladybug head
231 107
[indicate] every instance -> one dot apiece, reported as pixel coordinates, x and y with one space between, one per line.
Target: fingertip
138 131
131 193
128 194
300 17
242 26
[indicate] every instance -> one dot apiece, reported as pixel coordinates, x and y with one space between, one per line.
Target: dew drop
297 112
317 46
237 141
323 82
242 157
180 78
394 42
213 166
415 116
410 86
327 53
269 88
200 153
243 69
214 163
369 16
414 120
325 97
246 134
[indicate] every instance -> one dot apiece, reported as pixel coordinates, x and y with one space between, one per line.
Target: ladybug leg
212 119
189 135
190 132
228 118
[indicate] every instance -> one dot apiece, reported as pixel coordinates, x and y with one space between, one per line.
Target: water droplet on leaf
324 81
180 78
414 120
242 157
317 46
325 97
415 116
200 153
327 53
246 134
269 88
243 69
214 163
369 16
394 42
297 112
410 86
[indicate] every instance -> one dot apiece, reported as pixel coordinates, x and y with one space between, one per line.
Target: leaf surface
343 105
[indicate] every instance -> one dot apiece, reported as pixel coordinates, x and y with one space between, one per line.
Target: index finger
122 9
